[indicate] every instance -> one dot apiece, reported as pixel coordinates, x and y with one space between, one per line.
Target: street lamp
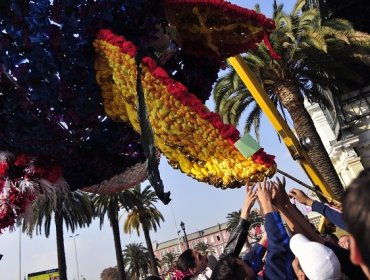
178 240
182 225
74 239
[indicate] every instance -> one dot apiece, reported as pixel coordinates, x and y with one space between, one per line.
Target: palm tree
73 208
316 60
137 260
232 220
144 213
109 273
255 216
204 248
110 204
169 261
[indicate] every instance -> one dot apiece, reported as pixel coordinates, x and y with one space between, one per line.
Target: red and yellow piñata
186 132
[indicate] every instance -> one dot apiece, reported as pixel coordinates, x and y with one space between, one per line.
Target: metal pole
178 240
182 225
328 198
78 272
267 106
186 240
178 237
20 254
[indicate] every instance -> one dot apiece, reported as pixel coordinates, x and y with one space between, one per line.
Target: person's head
356 215
314 260
191 261
232 268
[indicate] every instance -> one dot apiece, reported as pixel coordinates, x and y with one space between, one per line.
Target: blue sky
198 205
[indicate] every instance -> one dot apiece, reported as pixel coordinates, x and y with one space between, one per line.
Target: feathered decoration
22 179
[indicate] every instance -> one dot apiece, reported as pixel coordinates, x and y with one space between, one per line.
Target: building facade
345 132
216 236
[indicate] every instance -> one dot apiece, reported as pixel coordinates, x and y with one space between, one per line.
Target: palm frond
312 39
253 119
339 24
297 8
318 59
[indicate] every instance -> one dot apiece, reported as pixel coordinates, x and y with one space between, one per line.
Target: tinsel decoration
22 179
132 177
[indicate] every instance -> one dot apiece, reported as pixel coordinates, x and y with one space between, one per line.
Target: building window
212 239
218 237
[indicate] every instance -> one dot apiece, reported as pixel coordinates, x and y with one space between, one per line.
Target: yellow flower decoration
186 132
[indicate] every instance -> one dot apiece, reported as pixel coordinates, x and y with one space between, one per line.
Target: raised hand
301 197
279 196
249 200
264 194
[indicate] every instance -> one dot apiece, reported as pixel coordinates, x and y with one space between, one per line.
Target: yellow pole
278 123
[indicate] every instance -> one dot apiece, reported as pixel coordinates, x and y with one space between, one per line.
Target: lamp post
74 239
20 254
182 225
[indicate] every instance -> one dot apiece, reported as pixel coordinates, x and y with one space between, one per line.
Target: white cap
318 262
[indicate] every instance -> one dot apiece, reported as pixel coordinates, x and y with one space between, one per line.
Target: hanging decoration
51 106
132 177
216 28
50 103
187 133
22 179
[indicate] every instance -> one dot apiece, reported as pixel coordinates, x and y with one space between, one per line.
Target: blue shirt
334 215
279 257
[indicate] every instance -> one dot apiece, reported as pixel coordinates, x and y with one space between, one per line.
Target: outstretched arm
279 257
239 235
334 215
294 219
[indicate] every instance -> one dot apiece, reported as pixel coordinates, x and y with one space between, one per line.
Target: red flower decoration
262 157
176 89
150 63
21 160
3 168
216 28
54 173
129 48
105 34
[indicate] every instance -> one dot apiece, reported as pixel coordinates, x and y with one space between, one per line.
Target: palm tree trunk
150 250
62 266
112 215
305 127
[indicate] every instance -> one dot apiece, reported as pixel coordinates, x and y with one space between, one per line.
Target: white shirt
204 275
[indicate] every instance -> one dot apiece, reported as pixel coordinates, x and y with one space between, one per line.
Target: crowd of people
294 251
